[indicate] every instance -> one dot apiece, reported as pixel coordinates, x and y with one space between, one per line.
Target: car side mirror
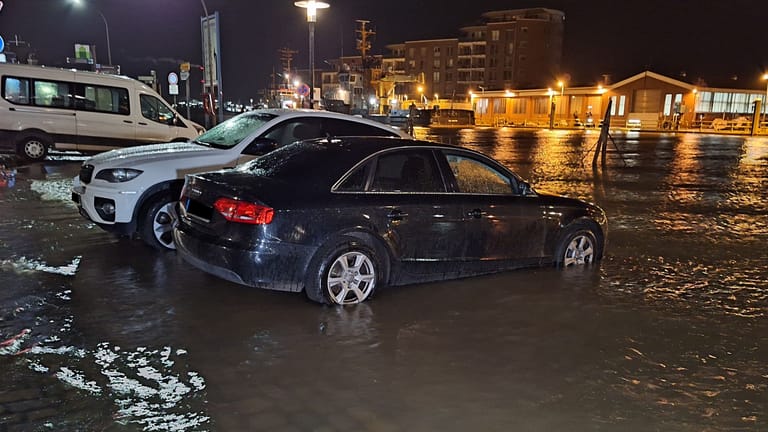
260 146
525 188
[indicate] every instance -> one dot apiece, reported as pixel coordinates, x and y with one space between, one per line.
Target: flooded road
669 332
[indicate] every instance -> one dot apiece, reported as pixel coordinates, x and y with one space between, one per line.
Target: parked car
132 192
340 218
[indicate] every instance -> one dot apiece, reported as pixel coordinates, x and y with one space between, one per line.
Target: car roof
336 155
303 112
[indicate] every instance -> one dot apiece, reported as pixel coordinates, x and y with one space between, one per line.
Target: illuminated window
613 105
518 106
667 104
541 105
622 104
500 106
704 102
494 35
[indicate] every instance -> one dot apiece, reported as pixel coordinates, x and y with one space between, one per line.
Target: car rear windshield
231 132
297 159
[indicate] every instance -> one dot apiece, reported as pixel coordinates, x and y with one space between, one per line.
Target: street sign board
184 75
184 67
303 90
173 79
2 42
173 89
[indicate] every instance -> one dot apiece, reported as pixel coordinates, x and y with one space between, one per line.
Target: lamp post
312 6
562 97
106 30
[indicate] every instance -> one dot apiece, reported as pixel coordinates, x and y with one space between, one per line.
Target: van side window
102 99
16 90
52 94
154 109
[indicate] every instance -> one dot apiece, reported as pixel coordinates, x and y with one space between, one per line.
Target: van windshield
231 132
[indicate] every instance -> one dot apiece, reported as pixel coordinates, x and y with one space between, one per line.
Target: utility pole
364 46
286 56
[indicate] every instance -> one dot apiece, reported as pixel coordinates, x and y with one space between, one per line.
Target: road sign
303 90
173 89
2 42
173 79
184 75
184 67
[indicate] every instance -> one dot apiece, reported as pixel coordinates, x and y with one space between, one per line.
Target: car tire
578 246
343 272
33 148
159 219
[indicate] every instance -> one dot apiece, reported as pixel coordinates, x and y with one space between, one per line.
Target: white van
67 109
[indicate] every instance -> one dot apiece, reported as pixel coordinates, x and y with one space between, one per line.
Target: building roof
654 75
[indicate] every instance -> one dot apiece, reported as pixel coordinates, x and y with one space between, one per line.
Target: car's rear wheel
343 273
159 220
33 147
578 247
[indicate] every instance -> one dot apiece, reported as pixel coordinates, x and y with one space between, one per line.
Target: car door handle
127 121
476 213
396 215
142 123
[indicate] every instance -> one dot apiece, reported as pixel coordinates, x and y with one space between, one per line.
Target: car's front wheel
578 247
343 273
159 220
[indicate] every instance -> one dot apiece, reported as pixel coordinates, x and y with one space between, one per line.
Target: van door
157 121
103 118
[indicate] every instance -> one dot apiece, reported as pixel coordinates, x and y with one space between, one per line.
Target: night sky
722 42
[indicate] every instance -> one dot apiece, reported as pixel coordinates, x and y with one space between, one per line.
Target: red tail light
243 211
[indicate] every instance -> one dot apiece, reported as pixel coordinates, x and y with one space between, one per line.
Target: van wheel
33 148
158 222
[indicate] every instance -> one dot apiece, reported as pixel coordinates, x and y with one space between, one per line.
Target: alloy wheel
351 278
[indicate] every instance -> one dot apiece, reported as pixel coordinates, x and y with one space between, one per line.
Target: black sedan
340 218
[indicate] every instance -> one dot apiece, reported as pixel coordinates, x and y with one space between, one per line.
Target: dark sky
724 42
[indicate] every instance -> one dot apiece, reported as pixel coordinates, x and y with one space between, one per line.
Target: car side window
339 128
407 171
154 109
474 176
356 180
296 129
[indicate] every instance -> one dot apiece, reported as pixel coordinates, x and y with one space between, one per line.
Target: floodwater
669 332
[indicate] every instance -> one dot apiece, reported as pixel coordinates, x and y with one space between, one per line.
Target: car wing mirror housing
260 146
525 188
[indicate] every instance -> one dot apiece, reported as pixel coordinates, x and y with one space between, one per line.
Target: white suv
133 191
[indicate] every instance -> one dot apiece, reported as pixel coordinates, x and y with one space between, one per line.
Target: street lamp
106 29
420 89
312 6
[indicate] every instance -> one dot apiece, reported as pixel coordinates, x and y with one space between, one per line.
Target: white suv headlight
118 175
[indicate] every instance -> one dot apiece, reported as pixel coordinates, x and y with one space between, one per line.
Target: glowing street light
312 6
106 29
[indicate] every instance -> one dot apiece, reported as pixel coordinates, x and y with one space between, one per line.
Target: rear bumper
276 266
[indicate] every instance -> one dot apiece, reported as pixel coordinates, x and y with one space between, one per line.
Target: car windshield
233 131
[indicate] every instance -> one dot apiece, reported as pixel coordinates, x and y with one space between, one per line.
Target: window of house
494 35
